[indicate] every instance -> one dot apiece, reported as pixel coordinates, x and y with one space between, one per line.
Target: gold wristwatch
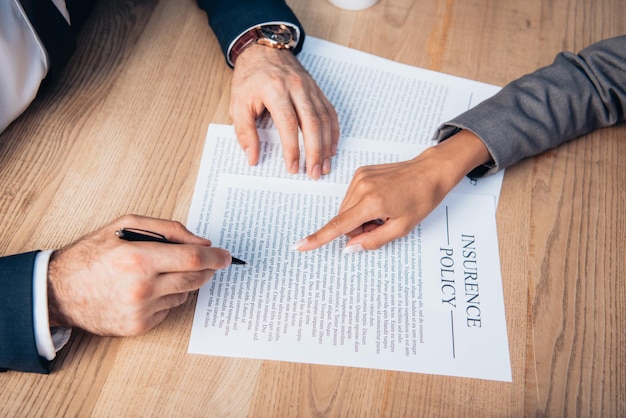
279 36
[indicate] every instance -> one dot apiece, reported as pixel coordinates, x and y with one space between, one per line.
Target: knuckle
334 224
180 298
376 200
364 188
373 243
332 113
361 173
138 292
296 80
191 281
315 124
131 329
289 121
324 119
135 324
137 327
193 259
276 83
179 227
132 260
129 219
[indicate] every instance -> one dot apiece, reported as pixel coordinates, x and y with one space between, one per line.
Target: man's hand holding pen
111 286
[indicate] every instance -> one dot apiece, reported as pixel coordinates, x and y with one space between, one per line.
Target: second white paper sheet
430 302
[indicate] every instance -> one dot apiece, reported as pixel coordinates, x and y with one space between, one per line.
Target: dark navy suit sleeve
230 18
18 350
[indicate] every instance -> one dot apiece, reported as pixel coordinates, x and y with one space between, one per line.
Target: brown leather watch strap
242 43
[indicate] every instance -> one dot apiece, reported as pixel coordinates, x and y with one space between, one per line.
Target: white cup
353 4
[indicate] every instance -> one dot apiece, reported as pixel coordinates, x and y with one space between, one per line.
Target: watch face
278 34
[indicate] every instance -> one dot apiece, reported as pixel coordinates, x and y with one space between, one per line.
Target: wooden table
123 130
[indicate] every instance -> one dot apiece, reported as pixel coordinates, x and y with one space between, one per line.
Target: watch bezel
277 36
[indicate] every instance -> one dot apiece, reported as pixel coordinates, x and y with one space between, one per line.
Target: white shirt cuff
48 340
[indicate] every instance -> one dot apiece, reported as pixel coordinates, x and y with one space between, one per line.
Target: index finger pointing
341 224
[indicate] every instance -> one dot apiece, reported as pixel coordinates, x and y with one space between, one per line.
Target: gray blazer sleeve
573 96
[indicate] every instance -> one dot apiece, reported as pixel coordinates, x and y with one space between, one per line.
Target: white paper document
430 302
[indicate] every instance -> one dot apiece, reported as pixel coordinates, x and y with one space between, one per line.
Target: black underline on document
451 313
447 227
452 329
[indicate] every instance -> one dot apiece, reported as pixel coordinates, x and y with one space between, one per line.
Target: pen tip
238 262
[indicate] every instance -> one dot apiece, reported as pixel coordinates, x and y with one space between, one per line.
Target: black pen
136 234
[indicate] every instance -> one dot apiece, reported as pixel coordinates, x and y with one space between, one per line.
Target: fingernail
316 172
248 152
295 167
298 244
351 249
326 166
